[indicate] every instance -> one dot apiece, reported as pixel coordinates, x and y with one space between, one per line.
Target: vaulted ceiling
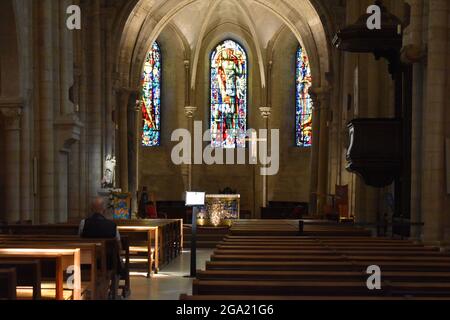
194 19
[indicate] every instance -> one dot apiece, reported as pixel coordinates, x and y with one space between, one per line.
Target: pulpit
374 151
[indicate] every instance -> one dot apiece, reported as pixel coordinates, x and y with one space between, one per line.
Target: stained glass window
228 95
303 119
151 98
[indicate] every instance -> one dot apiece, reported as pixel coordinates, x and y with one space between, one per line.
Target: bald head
98 205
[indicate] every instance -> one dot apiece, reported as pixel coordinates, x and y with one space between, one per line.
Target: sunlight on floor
171 281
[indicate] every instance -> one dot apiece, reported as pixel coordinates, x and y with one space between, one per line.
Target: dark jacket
97 226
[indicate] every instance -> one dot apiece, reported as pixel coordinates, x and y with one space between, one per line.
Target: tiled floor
171 281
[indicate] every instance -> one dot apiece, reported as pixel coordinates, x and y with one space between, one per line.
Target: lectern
194 200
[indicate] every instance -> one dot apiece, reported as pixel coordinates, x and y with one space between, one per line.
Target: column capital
10 113
265 112
190 111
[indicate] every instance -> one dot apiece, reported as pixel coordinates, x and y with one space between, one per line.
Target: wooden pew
8 284
28 274
62 258
92 250
151 235
285 288
63 231
170 235
398 276
304 288
320 266
89 251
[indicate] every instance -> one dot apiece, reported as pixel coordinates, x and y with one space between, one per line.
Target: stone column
412 53
123 97
314 166
46 163
66 60
10 128
94 99
190 114
322 186
108 16
265 114
433 172
137 146
24 9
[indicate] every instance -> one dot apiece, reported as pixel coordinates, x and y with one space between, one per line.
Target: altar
219 210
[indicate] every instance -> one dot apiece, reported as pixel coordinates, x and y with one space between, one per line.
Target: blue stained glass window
303 117
151 98
228 95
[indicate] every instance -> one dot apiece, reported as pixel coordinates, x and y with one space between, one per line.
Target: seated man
97 226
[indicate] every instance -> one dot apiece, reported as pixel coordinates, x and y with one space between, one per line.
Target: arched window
228 95
303 117
151 98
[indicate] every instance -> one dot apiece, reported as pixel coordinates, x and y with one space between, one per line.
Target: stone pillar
412 53
66 60
108 16
433 181
322 186
24 10
265 114
314 166
46 190
137 146
94 99
10 128
123 97
190 114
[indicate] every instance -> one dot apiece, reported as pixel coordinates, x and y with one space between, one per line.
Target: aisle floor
171 281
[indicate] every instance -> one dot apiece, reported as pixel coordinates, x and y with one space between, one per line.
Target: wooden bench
64 231
93 252
399 276
88 256
61 258
148 246
284 288
170 236
28 274
253 264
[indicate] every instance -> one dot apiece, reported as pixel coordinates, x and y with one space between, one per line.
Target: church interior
313 137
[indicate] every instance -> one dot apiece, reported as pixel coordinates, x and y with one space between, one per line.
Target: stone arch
142 47
306 24
217 34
